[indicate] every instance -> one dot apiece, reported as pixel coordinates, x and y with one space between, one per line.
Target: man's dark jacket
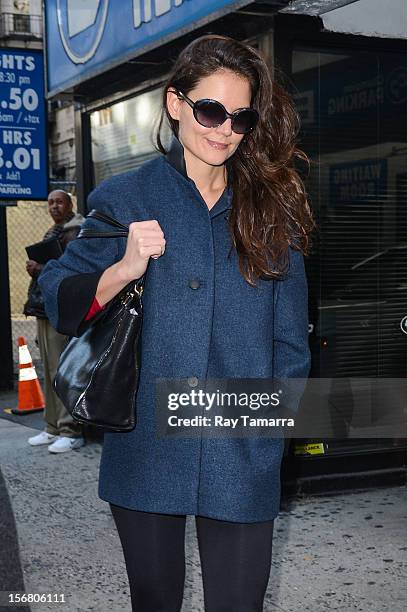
65 232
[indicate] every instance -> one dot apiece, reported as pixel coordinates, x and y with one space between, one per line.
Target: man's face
59 206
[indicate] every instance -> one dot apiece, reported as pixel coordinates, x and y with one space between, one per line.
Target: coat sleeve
292 357
69 284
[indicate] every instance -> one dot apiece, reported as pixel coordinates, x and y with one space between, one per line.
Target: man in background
61 433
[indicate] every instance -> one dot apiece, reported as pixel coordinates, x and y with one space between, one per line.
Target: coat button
194 283
192 381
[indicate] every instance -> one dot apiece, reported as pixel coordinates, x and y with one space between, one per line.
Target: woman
219 224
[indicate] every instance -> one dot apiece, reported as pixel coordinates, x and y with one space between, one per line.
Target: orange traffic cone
30 395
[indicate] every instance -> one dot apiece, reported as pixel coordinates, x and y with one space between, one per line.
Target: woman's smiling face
212 146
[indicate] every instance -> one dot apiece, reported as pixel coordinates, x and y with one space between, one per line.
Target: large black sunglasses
212 114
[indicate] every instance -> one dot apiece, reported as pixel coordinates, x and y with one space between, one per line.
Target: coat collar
175 157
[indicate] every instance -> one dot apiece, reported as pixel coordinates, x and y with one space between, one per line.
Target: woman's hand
145 240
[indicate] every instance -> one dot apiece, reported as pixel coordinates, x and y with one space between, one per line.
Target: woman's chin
215 157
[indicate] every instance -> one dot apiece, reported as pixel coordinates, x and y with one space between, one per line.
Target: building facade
25 222
346 67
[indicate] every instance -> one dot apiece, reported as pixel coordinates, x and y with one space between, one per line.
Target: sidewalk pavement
338 552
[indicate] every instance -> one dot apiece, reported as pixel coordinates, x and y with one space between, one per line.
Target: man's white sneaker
42 438
64 444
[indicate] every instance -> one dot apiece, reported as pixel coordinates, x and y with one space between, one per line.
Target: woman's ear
173 104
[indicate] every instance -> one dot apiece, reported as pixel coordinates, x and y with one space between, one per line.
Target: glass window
353 105
122 134
21 24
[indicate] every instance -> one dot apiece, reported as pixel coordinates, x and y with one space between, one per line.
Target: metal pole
6 347
84 168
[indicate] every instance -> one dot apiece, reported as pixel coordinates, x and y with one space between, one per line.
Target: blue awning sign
87 37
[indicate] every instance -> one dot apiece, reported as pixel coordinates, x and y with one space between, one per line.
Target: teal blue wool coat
201 319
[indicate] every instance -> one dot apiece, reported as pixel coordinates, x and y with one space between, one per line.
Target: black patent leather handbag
97 376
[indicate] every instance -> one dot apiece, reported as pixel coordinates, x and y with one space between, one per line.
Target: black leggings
235 561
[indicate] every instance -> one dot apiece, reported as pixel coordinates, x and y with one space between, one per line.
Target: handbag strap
87 233
96 214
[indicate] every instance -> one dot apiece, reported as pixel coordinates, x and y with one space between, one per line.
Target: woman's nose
225 128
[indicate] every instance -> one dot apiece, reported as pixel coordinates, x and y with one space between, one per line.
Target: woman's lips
217 145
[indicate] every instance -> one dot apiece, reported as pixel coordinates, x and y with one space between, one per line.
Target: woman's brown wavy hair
270 211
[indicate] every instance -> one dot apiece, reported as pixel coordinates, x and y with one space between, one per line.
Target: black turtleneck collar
175 156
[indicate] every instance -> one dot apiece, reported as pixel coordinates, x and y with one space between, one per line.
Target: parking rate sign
23 146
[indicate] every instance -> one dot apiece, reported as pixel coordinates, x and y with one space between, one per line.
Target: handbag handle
96 214
122 233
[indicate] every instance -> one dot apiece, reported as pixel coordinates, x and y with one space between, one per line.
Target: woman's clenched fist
145 240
